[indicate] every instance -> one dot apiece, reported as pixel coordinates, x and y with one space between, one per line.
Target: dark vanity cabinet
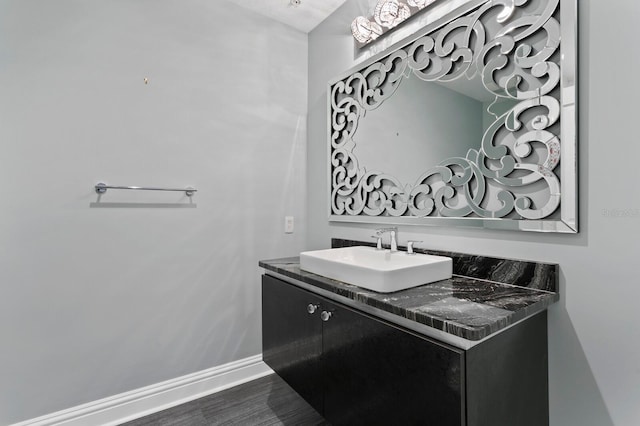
356 369
292 338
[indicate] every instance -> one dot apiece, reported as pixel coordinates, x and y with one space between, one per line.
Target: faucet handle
410 244
378 241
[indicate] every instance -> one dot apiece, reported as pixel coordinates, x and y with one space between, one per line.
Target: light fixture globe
389 13
361 29
364 30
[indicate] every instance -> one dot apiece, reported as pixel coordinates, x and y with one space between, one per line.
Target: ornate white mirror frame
522 175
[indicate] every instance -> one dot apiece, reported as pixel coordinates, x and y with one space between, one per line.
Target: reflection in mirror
463 122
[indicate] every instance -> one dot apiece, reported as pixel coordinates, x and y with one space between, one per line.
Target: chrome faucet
378 241
392 233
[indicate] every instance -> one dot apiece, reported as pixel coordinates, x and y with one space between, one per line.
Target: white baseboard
141 402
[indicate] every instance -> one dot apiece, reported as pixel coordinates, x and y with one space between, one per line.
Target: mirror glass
462 124
429 120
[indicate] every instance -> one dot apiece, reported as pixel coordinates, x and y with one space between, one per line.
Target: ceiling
303 17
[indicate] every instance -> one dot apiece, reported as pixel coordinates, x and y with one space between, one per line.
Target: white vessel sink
377 270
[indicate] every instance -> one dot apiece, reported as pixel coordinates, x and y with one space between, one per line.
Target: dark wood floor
266 401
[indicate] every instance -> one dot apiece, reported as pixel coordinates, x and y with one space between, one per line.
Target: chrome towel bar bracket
102 187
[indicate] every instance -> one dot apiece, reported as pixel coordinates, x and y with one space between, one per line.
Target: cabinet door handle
311 308
325 316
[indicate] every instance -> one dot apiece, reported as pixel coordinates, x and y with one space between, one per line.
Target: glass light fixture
364 30
386 15
390 13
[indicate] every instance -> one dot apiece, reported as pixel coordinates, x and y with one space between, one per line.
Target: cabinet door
378 374
292 337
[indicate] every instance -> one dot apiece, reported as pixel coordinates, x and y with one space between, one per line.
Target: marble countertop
469 308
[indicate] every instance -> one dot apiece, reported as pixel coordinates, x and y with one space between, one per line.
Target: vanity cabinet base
508 377
356 369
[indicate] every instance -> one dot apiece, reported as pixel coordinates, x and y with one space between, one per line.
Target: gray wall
593 331
97 301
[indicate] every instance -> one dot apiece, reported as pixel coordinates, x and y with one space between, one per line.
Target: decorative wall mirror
471 121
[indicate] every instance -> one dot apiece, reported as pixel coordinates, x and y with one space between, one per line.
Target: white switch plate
288 224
